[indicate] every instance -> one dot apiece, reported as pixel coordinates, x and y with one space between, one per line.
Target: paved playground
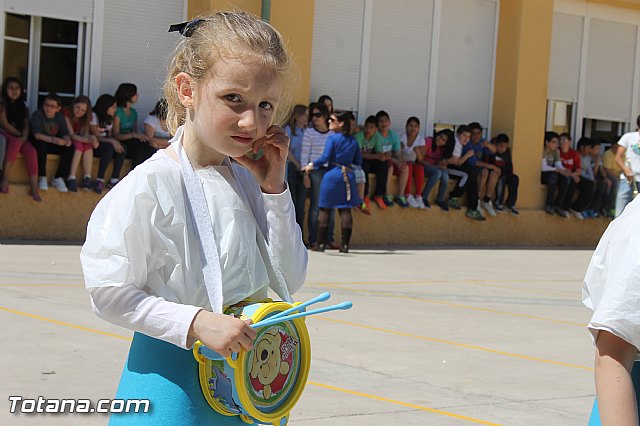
437 337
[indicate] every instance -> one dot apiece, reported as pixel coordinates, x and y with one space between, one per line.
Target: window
16 46
46 54
607 131
59 54
559 116
442 126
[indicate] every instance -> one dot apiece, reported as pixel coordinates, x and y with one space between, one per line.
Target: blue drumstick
271 320
319 298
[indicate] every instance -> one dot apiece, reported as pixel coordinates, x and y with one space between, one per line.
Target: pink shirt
433 153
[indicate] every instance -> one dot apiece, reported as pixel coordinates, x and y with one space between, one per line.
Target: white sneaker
412 201
42 183
577 214
488 206
58 183
421 205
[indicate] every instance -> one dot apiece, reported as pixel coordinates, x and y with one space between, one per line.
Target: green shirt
391 143
127 123
369 145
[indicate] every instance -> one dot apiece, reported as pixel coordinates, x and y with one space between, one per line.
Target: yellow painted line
461 345
481 283
403 404
66 324
462 306
347 391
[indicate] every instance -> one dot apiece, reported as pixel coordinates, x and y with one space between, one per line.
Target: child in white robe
189 232
611 289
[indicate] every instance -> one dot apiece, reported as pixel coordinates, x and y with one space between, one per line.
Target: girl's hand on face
222 333
269 170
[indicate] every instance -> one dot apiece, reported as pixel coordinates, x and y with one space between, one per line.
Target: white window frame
433 65
35 45
610 13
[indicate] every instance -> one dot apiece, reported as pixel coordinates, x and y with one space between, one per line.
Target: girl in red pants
14 125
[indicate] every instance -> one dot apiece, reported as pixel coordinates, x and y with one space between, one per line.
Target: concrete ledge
19 173
64 217
532 228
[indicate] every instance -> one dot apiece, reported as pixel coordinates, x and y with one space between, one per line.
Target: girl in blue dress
338 188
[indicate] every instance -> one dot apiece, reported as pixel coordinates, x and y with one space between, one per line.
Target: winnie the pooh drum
262 385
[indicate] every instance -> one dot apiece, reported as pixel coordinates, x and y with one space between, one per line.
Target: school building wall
517 84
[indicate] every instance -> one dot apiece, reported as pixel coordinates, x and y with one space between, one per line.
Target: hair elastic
186 28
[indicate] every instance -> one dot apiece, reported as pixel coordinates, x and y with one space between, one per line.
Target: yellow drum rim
305 364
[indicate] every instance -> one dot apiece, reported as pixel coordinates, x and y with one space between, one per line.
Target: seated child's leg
87 162
614 386
403 178
444 185
491 184
418 175
407 187
381 171
512 184
551 180
483 177
75 162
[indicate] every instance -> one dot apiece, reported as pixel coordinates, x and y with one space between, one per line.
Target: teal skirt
167 376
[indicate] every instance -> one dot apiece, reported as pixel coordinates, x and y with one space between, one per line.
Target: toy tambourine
262 385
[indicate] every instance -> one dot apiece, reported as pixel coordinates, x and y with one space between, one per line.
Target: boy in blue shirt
463 167
489 173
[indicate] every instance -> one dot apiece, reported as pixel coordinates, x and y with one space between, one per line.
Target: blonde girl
189 232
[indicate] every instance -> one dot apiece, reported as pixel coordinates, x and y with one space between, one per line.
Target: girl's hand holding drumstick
222 333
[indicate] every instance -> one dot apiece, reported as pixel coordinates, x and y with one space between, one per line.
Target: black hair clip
186 28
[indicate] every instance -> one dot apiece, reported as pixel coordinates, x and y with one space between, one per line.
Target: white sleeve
94 119
457 150
623 141
285 239
305 155
546 167
558 165
136 310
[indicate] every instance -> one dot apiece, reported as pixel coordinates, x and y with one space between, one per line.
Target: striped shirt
313 145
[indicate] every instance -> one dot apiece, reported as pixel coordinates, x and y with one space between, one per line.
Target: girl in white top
413 150
163 261
628 158
155 126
